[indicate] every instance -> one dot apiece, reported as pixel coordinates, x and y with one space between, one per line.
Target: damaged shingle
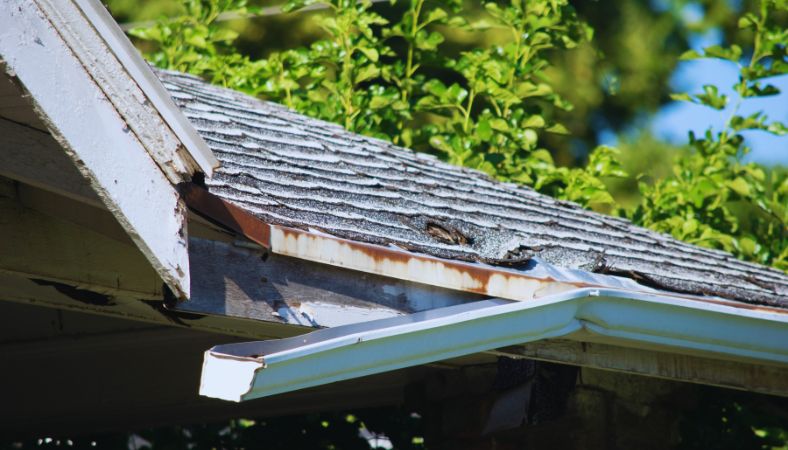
292 170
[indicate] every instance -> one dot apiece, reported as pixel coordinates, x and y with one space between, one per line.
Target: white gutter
245 371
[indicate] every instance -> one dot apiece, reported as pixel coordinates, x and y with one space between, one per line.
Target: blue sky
676 119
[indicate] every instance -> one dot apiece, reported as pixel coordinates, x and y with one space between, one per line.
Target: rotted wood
765 379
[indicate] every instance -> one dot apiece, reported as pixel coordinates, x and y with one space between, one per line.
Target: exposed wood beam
245 283
67 297
52 238
762 378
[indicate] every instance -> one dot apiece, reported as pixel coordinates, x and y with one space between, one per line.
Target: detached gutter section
246 371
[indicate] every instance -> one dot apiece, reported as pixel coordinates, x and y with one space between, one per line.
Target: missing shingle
446 233
518 257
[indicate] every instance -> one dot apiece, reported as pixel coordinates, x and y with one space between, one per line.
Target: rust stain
226 214
469 277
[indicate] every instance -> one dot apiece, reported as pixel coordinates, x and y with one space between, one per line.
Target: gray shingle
293 170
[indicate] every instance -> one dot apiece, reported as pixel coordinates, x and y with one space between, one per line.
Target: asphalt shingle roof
293 170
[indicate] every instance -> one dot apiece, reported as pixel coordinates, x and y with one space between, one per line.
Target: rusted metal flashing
226 214
397 263
478 278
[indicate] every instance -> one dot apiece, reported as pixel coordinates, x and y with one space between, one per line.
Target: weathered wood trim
120 89
96 137
245 283
194 154
61 295
762 378
80 24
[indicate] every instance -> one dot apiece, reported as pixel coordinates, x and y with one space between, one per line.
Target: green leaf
748 21
455 94
557 129
733 53
439 142
748 245
484 130
499 124
428 41
712 98
435 15
689 55
378 102
777 128
755 90
224 35
435 87
367 72
527 89
535 121
370 53
530 137
740 186
752 122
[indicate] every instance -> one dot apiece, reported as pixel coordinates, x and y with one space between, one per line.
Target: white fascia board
150 84
95 136
119 71
246 371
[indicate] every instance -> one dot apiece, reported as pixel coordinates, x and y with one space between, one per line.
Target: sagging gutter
245 371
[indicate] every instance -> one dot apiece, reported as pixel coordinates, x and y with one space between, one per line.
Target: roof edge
393 262
194 154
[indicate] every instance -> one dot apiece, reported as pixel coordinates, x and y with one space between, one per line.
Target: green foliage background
510 88
516 89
